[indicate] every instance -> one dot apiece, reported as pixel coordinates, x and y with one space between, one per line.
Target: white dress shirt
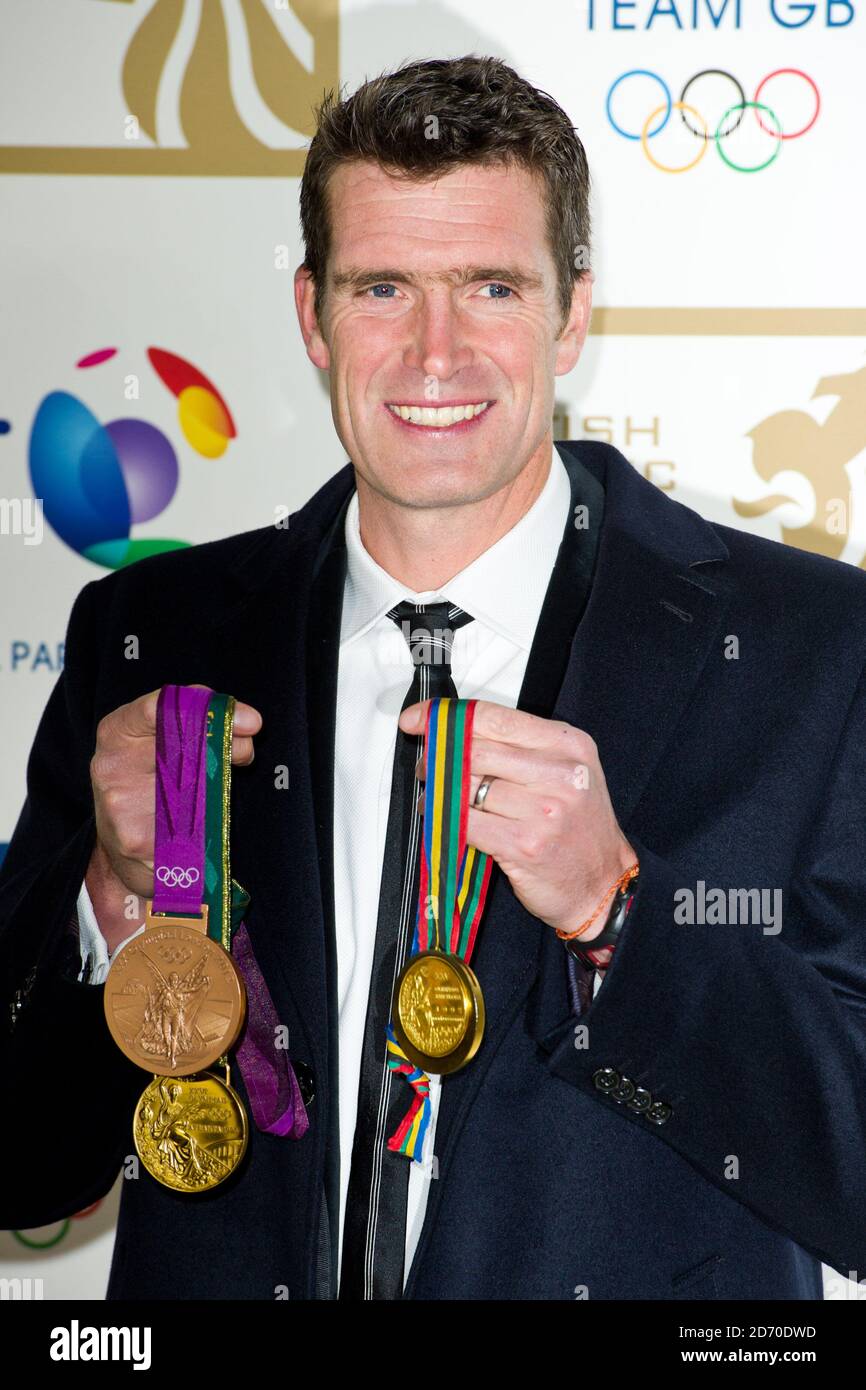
503 589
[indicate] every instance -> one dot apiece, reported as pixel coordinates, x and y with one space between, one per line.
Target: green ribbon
227 901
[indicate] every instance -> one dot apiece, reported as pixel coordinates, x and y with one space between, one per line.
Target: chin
448 494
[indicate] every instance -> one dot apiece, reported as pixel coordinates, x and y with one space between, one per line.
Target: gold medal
174 998
439 1017
190 1132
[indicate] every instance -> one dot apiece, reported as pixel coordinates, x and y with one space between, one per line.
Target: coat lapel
622 669
280 631
281 628
652 617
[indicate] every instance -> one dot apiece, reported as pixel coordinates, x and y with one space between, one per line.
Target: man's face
441 294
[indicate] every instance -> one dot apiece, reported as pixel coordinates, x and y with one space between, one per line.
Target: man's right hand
123 778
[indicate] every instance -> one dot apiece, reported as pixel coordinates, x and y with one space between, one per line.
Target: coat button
624 1091
641 1100
306 1081
606 1079
19 998
659 1113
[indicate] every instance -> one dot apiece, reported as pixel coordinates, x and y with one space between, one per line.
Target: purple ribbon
179 854
275 1096
181 784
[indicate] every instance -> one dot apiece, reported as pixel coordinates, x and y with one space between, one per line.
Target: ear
569 344
305 292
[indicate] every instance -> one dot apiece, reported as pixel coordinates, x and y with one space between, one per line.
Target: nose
437 345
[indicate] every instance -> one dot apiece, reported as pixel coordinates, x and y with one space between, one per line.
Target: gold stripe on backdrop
738 323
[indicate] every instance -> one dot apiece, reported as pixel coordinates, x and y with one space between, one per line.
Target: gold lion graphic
793 439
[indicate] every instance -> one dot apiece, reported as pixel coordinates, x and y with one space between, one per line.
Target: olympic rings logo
24 1238
702 133
177 877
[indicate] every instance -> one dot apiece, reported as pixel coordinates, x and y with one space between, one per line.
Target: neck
424 547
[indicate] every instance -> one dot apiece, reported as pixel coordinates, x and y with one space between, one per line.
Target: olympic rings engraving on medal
700 130
177 877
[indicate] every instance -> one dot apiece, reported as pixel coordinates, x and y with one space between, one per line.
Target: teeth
438 416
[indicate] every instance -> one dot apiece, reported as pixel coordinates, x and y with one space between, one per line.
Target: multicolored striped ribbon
446 920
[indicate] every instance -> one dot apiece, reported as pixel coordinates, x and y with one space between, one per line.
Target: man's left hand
547 819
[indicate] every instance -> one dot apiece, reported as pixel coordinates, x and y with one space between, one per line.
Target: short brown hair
486 114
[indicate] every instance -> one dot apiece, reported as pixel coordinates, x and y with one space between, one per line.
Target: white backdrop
727 352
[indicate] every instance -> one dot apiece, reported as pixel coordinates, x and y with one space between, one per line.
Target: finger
509 800
247 719
138 718
413 719
493 835
243 751
502 724
519 765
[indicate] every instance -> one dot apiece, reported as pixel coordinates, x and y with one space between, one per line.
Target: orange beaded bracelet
624 878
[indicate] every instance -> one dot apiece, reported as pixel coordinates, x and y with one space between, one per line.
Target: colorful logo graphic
712 132
97 481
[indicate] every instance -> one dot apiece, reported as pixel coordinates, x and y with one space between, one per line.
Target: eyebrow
355 278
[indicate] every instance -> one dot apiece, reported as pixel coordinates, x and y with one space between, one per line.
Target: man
655 693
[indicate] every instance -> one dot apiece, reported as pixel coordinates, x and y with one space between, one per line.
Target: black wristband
609 934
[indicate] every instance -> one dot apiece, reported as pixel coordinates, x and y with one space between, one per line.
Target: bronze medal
439 1015
174 998
190 1132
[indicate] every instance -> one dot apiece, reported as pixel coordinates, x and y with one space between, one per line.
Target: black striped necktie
374 1235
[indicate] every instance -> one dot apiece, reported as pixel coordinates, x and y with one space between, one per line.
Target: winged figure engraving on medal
168 1028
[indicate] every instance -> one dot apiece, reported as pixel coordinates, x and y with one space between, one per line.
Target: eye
372 288
496 285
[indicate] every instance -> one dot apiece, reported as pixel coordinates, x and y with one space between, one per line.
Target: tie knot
429 629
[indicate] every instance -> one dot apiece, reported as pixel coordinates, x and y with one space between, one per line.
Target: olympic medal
439 1016
174 999
190 1132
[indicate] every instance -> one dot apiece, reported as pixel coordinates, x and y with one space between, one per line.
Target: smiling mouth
439 417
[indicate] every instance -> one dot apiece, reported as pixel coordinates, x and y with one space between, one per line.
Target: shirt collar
504 587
